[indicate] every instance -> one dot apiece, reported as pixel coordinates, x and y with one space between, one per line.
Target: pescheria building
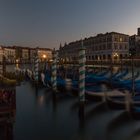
100 47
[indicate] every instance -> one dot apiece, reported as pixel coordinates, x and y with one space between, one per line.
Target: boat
4 81
102 95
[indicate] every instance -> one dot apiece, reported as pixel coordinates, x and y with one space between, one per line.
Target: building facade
44 54
25 55
18 54
9 53
134 42
107 46
1 54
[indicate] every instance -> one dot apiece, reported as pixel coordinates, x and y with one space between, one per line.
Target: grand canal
40 116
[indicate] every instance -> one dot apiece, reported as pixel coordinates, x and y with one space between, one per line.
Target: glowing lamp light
50 60
17 60
44 56
116 55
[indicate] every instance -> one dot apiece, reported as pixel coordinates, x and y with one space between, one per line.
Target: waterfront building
20 54
100 47
25 55
44 54
18 50
1 54
134 42
32 53
9 53
1 59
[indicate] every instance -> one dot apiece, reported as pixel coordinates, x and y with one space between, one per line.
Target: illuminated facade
101 47
9 54
18 54
44 54
25 55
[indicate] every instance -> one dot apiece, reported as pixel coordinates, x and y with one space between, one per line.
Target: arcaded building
100 47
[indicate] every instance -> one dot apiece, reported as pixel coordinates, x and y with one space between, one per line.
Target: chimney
138 32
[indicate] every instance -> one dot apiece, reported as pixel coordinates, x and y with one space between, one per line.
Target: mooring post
82 60
36 76
133 80
128 101
54 71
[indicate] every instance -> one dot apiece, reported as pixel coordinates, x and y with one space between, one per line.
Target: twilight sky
46 23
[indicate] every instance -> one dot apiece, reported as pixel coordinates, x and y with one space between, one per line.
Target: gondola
127 84
121 75
101 95
132 104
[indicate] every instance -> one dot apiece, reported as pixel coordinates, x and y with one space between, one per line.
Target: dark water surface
42 116
39 116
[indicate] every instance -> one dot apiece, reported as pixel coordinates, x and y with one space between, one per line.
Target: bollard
54 71
82 60
105 93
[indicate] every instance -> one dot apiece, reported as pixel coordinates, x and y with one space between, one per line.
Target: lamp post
116 56
44 60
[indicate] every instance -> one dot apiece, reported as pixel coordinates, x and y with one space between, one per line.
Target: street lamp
116 55
44 56
43 60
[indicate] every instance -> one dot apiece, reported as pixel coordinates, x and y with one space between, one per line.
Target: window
120 56
120 47
125 47
120 39
104 57
89 57
109 56
115 46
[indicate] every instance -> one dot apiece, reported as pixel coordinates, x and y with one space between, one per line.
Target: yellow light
44 56
116 54
120 39
17 60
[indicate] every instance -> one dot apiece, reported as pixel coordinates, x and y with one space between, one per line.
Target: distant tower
138 32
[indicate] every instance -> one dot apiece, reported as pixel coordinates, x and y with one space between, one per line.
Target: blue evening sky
46 23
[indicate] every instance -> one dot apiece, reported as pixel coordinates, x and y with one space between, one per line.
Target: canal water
41 116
